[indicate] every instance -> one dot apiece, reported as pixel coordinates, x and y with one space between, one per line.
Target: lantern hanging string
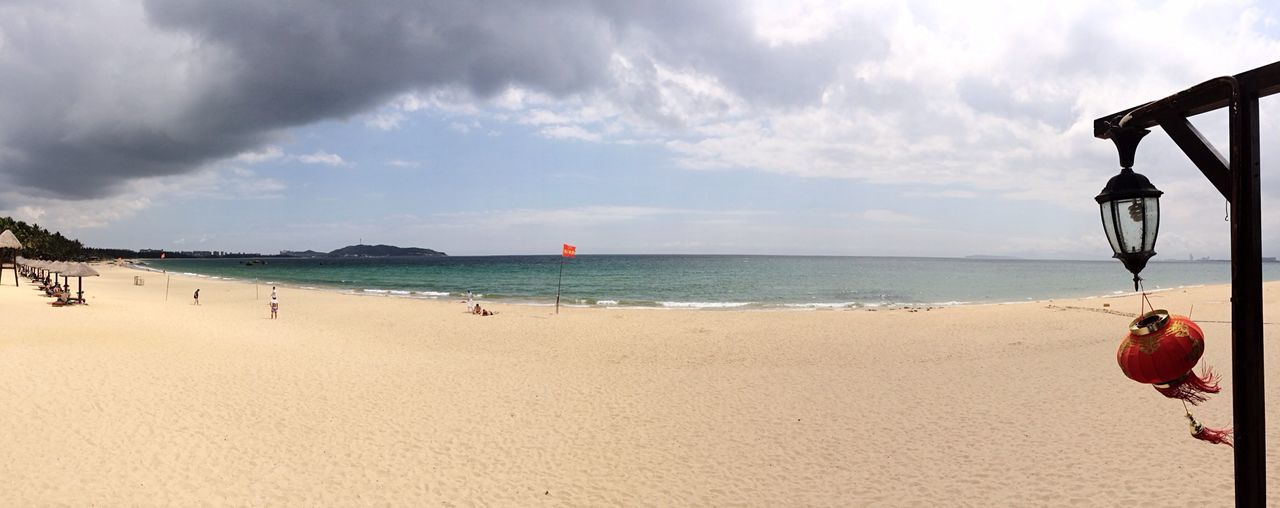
1144 303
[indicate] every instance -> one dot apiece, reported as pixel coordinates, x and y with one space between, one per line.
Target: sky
878 128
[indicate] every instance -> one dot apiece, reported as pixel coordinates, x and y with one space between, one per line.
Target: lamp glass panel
1151 227
1131 222
1109 225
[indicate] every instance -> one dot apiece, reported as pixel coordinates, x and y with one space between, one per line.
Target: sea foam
821 305
704 305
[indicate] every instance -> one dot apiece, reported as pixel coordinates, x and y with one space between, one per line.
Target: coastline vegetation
39 243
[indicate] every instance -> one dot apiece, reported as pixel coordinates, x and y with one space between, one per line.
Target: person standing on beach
273 293
196 297
275 305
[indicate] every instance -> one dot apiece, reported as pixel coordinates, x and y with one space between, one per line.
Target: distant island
350 251
984 256
1265 259
364 251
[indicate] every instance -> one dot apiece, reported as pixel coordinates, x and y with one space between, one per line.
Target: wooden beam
1200 151
1202 98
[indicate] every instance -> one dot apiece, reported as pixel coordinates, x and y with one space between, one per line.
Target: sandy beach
358 400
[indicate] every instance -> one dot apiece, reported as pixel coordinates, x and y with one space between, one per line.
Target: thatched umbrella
80 271
43 265
9 241
57 267
29 265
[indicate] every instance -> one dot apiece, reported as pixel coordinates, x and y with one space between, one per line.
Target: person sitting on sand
481 312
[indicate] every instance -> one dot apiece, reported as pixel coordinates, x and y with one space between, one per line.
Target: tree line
39 243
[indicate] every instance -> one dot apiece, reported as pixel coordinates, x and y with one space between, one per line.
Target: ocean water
715 282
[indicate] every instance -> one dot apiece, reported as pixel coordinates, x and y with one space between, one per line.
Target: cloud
384 121
945 193
464 127
401 163
576 217
103 92
218 182
321 157
61 214
569 132
275 153
264 154
975 98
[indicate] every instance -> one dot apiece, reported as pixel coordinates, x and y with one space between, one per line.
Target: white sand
351 400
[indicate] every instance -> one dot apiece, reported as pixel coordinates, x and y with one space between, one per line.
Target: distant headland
350 251
364 251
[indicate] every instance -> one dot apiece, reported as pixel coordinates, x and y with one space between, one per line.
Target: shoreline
658 305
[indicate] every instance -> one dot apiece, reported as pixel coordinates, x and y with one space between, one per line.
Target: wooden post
1248 397
15 268
558 281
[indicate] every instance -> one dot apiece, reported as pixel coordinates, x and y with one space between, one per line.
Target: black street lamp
1130 208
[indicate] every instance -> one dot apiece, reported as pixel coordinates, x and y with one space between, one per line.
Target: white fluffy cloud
967 99
321 157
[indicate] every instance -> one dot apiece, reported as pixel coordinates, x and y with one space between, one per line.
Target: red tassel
1191 388
1213 436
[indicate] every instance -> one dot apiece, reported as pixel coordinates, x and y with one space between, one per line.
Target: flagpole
558 281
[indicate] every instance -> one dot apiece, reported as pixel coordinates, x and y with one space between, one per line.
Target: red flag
569 251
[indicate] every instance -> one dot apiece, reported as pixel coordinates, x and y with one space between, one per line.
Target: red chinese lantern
1162 350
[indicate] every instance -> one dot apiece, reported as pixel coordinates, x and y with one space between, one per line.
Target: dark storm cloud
90 103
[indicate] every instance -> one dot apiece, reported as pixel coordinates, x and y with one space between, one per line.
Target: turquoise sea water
673 281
